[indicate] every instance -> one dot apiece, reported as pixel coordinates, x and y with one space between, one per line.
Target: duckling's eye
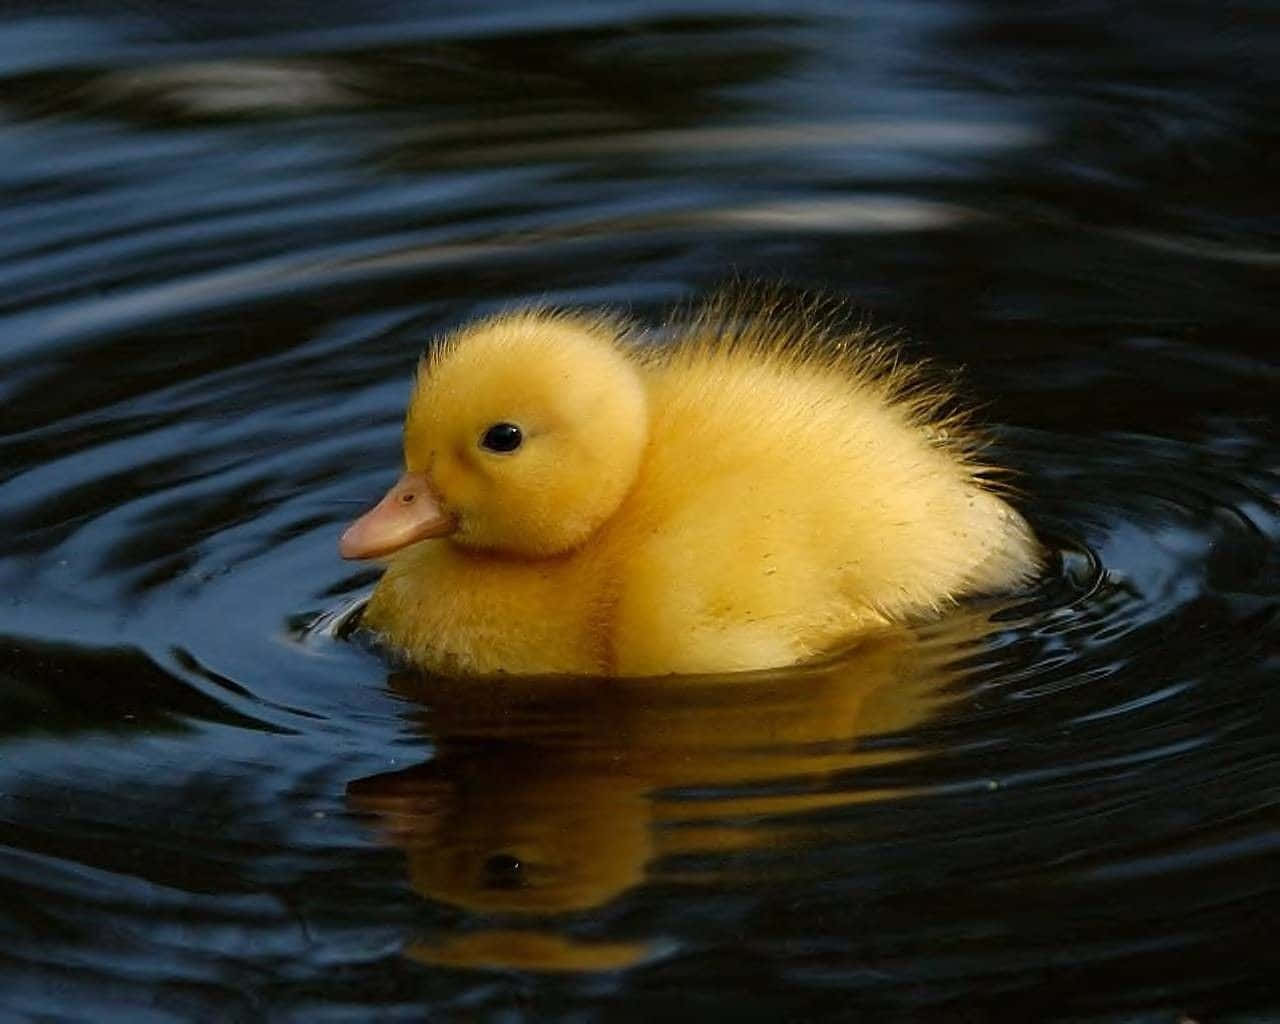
502 437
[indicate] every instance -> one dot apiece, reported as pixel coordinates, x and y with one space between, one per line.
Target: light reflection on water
226 237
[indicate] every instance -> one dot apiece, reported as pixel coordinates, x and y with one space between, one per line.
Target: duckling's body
751 493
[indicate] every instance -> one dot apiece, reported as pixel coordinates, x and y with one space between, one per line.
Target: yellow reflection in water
551 796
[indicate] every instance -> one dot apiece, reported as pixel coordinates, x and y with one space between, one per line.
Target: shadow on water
227 234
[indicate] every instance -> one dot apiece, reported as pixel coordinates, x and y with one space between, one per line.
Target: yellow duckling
753 492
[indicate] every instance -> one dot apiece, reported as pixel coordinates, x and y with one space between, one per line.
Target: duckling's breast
453 610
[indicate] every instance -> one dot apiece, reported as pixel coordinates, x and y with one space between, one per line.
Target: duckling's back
798 487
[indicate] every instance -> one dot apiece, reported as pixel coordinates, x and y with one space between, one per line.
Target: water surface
227 236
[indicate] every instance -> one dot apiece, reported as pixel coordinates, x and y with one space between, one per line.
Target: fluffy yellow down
752 490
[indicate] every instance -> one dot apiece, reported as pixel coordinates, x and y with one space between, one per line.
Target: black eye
502 437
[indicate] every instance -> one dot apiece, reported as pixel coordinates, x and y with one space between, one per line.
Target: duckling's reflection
551 795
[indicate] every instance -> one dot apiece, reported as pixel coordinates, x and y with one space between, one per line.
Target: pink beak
407 513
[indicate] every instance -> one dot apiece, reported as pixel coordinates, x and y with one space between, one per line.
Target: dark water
225 236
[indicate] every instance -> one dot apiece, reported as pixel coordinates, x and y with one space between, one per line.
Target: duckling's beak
407 513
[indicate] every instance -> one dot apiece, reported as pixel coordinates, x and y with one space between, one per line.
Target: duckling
756 490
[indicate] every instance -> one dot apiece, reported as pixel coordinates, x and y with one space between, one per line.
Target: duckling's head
523 435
